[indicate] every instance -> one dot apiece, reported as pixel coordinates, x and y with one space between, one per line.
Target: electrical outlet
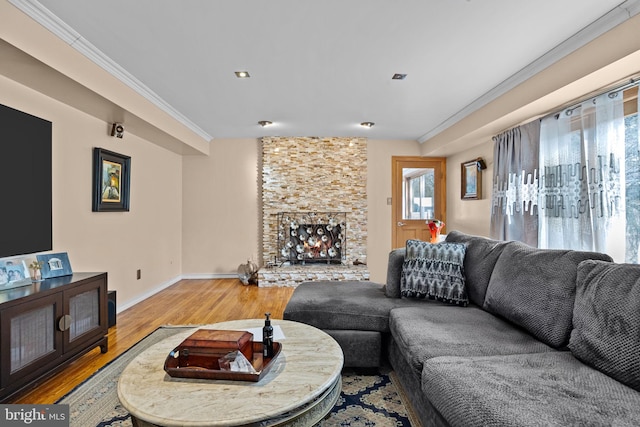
389 201
138 274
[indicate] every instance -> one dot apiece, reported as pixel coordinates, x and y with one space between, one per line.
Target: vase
435 226
36 275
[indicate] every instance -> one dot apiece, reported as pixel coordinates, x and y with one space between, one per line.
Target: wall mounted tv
25 174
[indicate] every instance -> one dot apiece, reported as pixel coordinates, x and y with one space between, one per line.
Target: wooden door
418 194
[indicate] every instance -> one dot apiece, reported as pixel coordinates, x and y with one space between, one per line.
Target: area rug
370 399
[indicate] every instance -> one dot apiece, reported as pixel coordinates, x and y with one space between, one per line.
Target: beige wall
147 238
200 215
378 190
221 227
189 215
469 216
221 211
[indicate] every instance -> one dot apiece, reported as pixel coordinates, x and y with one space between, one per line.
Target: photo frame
13 273
55 265
471 180
111 181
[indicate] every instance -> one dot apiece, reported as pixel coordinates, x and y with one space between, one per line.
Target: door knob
401 224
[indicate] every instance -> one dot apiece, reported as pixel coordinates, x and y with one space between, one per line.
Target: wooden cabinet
48 324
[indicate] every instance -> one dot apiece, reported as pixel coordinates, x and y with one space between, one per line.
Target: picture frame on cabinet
111 181
13 273
55 265
471 179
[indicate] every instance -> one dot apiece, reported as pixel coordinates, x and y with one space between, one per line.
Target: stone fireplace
313 191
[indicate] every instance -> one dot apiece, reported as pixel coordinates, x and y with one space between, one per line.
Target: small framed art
111 181
55 265
471 180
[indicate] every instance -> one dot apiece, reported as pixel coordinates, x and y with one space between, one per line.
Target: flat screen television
25 174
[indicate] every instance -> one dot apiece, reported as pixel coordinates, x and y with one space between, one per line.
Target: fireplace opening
313 237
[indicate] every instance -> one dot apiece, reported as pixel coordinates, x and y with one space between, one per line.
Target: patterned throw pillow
434 271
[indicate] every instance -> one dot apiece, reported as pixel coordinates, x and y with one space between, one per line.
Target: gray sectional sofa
549 337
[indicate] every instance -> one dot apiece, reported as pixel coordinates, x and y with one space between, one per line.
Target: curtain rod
612 90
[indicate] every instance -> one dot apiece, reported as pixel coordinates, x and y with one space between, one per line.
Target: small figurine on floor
248 273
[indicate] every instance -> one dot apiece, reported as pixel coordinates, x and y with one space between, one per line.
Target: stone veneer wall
308 174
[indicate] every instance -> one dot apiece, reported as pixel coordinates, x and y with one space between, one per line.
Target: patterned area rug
369 400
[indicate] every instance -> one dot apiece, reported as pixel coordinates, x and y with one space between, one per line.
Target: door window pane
418 201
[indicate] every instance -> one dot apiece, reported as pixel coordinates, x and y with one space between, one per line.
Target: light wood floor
186 302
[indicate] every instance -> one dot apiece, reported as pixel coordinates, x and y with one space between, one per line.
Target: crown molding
613 18
51 22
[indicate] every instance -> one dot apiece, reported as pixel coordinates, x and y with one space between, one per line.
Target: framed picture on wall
111 181
471 180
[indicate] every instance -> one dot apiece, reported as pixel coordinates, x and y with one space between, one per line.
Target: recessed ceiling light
399 76
242 74
264 123
367 124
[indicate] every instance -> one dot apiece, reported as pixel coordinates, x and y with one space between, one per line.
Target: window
418 193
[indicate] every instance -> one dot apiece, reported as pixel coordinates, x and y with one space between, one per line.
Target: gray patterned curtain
514 213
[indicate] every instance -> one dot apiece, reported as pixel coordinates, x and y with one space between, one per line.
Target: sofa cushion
394 273
434 271
535 288
480 258
547 389
422 333
606 319
343 305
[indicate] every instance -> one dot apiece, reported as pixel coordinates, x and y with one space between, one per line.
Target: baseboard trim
210 276
162 286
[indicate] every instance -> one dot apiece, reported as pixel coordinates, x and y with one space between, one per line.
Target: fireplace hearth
312 238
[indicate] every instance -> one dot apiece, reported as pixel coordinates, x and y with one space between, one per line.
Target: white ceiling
320 68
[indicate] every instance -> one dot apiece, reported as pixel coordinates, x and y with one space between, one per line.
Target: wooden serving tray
201 365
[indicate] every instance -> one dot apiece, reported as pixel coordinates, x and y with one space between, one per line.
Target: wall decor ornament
111 181
471 181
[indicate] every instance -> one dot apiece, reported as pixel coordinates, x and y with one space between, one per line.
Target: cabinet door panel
84 312
88 317
29 337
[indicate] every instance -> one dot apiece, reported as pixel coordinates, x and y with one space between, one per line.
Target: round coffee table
300 389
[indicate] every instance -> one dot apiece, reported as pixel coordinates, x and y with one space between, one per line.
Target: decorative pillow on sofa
606 320
434 271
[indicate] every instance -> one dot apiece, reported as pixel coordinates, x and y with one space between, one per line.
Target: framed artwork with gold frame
111 181
471 181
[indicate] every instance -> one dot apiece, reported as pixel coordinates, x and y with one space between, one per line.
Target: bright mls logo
34 415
